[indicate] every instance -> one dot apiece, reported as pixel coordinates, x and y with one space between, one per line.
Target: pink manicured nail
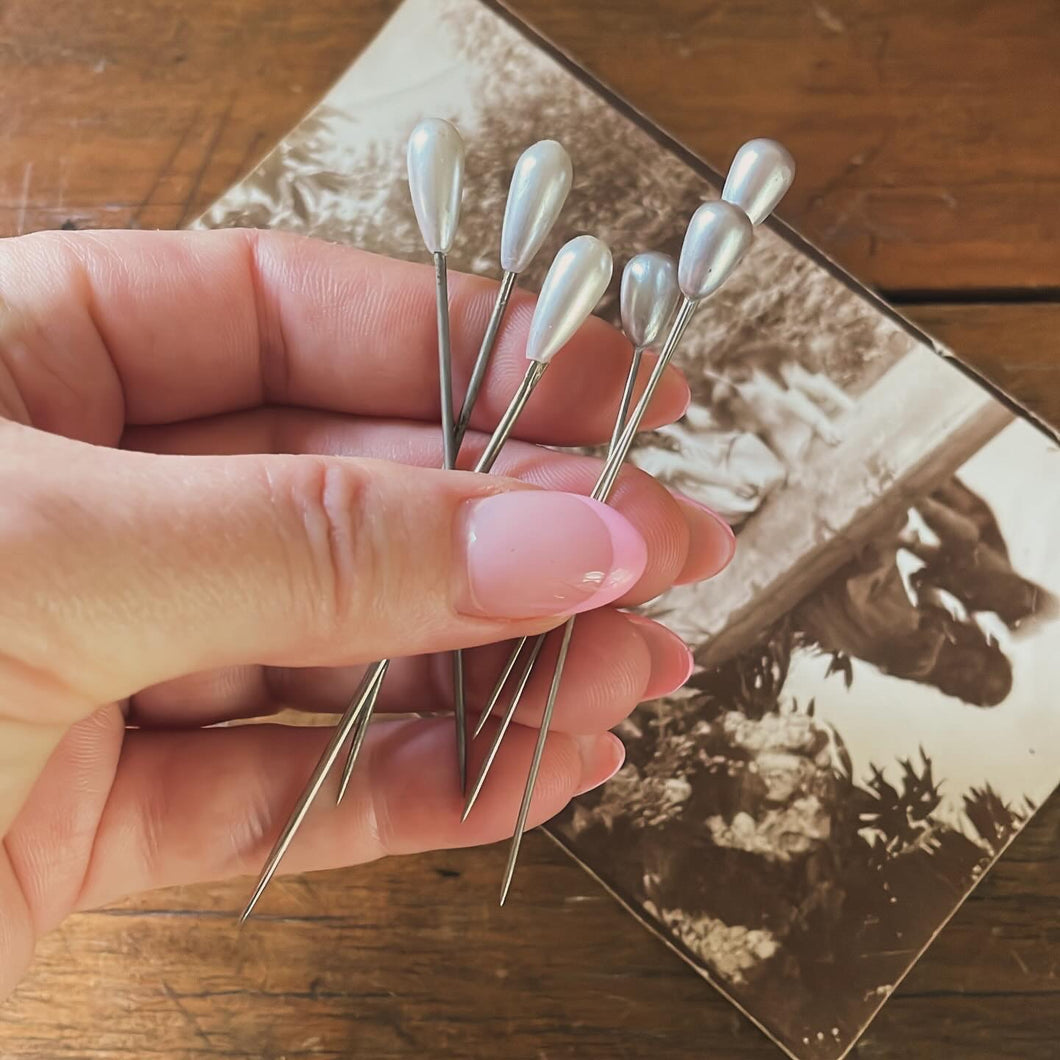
602 758
671 661
712 544
688 398
536 553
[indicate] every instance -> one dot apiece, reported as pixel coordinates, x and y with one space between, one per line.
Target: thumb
119 570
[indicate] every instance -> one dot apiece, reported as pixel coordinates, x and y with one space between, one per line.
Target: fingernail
535 553
712 543
671 661
687 399
602 758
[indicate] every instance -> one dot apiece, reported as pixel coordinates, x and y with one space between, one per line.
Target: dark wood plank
139 114
411 958
922 130
1016 347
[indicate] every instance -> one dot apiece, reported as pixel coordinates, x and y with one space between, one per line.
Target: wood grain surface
927 137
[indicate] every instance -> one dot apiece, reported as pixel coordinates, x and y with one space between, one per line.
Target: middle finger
685 541
615 661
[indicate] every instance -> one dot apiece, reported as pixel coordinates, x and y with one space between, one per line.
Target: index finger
144 328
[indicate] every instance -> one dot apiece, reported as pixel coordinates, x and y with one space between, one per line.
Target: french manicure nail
536 553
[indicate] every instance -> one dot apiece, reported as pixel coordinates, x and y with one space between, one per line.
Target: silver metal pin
435 164
435 161
649 296
576 281
718 236
541 182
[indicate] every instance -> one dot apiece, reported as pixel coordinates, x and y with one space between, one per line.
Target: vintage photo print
873 715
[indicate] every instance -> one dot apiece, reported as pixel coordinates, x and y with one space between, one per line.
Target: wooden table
927 137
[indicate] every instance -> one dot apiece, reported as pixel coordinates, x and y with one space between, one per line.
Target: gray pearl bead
716 239
649 297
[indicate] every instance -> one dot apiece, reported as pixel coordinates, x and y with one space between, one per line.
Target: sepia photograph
872 715
805 815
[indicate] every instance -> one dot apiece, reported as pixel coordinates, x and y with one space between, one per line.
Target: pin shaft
534 371
535 763
365 719
627 397
450 448
513 658
601 492
498 739
445 362
449 451
485 352
498 688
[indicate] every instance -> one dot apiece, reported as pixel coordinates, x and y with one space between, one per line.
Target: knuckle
331 545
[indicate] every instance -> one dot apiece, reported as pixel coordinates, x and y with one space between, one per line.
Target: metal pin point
506 720
649 296
541 182
372 677
717 238
576 281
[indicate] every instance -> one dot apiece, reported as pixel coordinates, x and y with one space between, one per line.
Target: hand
217 500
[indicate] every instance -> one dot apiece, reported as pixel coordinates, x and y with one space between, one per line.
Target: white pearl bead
760 175
540 185
576 281
436 178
